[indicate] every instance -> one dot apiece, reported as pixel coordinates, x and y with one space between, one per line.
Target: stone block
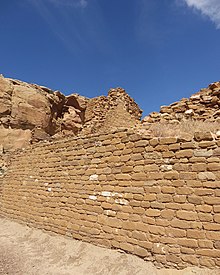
188 153
203 153
167 140
206 176
153 212
127 247
213 167
187 215
199 136
171 175
139 235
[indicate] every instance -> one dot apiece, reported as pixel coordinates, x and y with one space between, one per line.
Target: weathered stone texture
203 106
29 113
115 111
100 189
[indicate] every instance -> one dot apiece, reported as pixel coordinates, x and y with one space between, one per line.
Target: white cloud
210 8
70 3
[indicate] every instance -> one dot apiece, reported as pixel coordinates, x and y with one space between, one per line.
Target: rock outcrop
30 113
204 106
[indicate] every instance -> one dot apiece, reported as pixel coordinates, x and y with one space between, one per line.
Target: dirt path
27 251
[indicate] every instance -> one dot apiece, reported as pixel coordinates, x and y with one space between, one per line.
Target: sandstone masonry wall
157 198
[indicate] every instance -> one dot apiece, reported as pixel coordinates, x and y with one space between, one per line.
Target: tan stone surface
30 251
203 105
49 113
144 204
111 186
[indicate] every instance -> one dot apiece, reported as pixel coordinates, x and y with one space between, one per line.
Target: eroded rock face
30 113
204 105
12 139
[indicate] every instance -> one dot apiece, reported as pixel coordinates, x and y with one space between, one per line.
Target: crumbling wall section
202 106
157 198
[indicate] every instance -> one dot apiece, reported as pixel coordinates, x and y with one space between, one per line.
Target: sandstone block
127 247
175 232
204 208
161 148
195 199
151 168
217 244
195 234
199 136
167 189
123 177
139 235
206 261
206 176
139 176
191 243
215 253
140 251
153 212
154 142
188 175
188 153
207 144
216 152
216 208
205 243
198 167
173 258
174 147
213 235
187 215
205 217
164 198
212 200
217 218
191 259
168 214
167 140
171 175
203 153
157 230
141 143
213 167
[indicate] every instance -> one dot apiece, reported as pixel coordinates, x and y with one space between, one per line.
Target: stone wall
203 106
157 198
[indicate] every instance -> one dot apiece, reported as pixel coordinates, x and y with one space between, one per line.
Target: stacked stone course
157 198
203 106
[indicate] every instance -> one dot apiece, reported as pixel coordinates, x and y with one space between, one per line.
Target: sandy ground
28 251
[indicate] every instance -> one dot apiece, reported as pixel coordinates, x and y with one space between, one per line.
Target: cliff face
29 113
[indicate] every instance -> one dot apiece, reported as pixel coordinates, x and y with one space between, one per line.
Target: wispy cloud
70 3
209 8
80 24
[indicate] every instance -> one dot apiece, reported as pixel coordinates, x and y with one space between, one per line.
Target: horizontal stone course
157 198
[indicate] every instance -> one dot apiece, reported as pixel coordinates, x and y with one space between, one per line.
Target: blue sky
158 50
